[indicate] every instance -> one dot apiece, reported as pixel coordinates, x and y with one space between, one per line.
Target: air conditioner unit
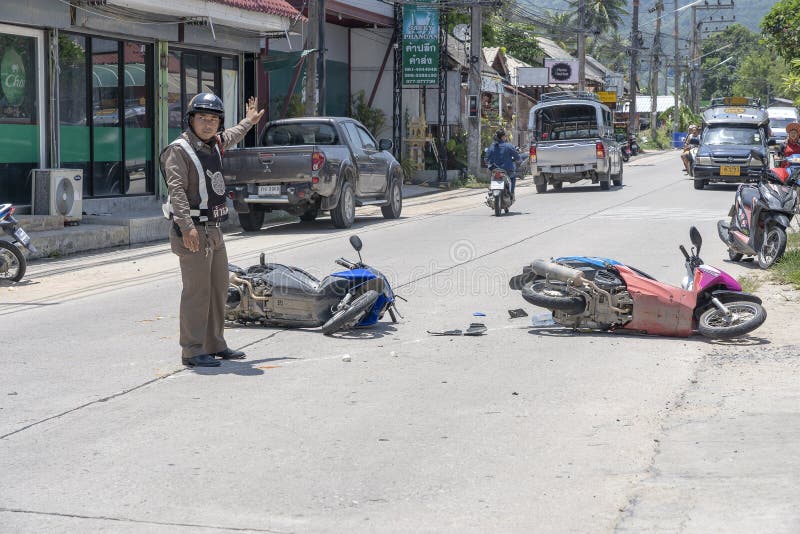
58 192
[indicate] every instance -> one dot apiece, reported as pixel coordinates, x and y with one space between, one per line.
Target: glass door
21 97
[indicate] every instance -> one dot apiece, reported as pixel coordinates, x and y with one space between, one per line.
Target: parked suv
732 127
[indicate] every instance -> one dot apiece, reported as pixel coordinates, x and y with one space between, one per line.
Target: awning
284 60
106 75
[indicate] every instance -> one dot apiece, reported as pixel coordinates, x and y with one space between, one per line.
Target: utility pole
694 99
321 56
474 123
696 86
677 70
634 66
311 65
581 45
655 64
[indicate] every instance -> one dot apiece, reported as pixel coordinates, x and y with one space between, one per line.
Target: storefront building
103 88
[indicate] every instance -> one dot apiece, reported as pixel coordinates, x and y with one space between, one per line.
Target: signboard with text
607 97
420 51
562 71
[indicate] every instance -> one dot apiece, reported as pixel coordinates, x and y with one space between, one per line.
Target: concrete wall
367 48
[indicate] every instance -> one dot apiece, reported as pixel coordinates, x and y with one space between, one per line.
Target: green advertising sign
421 43
12 77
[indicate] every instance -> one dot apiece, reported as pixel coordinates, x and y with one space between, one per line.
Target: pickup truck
308 165
732 128
573 140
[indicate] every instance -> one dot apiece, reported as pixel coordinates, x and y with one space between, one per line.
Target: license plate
497 184
20 234
729 170
267 190
567 168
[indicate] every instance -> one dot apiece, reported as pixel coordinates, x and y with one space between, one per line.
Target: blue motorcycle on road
283 295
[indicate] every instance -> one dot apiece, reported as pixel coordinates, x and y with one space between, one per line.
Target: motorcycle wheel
12 262
498 206
747 316
772 248
553 296
351 314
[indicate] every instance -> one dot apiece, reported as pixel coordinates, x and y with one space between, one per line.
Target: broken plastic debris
476 329
346 358
479 314
445 333
542 319
519 312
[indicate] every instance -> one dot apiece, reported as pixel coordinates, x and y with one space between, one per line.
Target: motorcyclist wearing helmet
192 168
792 144
503 154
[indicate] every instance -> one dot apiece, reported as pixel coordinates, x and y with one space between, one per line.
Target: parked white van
779 117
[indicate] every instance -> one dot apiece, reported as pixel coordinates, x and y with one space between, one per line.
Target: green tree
760 75
561 29
601 15
781 28
729 46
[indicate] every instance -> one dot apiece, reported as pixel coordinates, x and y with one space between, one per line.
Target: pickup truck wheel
395 199
252 221
557 186
699 184
541 188
344 213
617 180
309 215
605 185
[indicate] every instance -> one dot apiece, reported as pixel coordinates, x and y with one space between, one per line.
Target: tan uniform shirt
181 174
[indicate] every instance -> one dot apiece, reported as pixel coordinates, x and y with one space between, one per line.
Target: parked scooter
282 295
499 196
604 294
624 149
12 261
633 145
761 213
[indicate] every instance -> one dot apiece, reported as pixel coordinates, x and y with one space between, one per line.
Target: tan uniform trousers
205 290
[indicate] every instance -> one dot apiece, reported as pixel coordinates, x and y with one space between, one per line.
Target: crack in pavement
141 521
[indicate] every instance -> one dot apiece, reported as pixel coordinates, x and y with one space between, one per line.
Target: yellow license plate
729 170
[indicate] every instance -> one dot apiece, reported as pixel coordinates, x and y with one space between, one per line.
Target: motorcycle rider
792 144
503 154
694 133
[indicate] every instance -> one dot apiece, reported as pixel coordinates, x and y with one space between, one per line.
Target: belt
208 224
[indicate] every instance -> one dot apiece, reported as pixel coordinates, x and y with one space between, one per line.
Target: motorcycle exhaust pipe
563 273
236 280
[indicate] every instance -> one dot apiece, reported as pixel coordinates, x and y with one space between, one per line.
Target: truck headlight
702 160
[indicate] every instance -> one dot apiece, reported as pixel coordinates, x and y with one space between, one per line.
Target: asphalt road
520 430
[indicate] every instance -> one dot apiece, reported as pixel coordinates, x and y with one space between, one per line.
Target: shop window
19 116
106 113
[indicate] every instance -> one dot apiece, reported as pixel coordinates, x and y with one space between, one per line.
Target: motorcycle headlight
702 160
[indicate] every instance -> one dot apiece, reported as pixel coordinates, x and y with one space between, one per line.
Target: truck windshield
779 123
566 121
730 135
300 133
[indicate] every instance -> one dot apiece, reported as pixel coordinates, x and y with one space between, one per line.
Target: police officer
192 166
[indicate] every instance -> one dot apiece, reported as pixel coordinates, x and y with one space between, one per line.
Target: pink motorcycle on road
604 294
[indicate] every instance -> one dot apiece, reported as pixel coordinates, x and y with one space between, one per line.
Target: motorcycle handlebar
344 263
685 254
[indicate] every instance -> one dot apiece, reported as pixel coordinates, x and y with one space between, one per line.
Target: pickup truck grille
731 160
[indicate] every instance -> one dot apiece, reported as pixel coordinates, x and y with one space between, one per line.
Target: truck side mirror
385 144
694 141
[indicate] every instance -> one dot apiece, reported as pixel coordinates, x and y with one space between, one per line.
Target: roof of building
551 49
273 7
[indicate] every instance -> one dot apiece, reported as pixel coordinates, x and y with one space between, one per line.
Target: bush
373 119
662 140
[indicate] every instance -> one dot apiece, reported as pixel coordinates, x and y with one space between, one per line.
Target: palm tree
602 15
561 28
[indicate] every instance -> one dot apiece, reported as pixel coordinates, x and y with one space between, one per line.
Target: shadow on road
746 341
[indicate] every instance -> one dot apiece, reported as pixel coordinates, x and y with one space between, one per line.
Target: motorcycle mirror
262 259
355 241
697 240
756 154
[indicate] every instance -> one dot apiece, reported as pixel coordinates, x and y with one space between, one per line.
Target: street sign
532 76
607 96
562 71
421 43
